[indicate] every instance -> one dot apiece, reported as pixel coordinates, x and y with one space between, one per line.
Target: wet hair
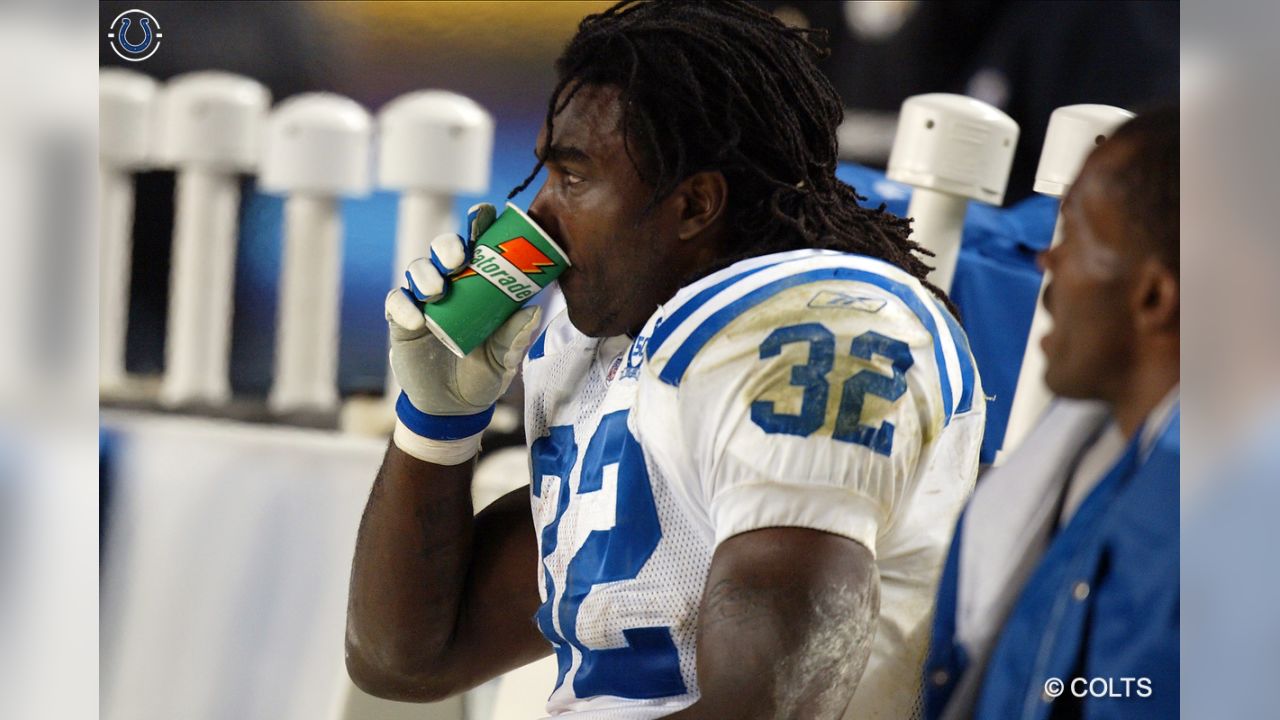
1147 180
726 86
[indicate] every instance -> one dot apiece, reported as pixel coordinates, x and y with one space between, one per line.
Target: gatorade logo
509 268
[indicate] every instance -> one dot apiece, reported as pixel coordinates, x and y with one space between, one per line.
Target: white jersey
809 389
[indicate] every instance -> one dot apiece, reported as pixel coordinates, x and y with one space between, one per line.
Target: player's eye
570 179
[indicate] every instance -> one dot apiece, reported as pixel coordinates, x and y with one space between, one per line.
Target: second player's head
1114 290
683 136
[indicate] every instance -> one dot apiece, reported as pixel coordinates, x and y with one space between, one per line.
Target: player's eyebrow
562 154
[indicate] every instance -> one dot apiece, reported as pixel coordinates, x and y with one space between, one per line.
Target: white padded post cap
954 144
1074 131
436 141
126 106
317 143
212 119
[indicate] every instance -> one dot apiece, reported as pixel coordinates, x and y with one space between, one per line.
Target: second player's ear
703 197
1156 297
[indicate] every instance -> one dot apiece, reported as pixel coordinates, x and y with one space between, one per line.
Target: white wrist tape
439 452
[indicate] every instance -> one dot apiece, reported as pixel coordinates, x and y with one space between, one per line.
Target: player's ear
1156 297
703 197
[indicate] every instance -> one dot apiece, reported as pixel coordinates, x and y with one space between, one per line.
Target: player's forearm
409 575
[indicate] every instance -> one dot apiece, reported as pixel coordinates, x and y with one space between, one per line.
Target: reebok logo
841 301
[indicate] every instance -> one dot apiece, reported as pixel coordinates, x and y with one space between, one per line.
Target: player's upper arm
786 625
803 412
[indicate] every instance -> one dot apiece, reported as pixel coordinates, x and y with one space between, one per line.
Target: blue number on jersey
648 666
812 376
553 455
856 388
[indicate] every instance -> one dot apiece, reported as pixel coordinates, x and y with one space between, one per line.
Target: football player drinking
750 433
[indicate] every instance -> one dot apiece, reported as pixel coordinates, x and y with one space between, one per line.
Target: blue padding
441 427
675 368
995 287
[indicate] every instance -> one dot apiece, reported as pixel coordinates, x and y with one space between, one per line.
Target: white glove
447 401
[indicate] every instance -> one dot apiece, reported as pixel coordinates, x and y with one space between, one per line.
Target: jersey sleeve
812 409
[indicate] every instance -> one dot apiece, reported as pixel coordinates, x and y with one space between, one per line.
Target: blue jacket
1102 603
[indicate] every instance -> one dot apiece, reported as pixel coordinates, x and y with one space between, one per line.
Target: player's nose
542 212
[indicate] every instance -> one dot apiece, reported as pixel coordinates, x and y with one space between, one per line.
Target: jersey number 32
812 377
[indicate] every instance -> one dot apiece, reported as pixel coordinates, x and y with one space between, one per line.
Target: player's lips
568 255
1049 340
1047 301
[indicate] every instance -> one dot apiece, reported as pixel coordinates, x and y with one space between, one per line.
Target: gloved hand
447 401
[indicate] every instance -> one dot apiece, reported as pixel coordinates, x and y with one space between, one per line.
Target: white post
937 224
210 128
306 363
432 146
201 282
317 150
1074 131
950 149
125 108
115 225
421 216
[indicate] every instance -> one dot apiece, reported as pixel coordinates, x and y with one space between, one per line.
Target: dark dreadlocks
725 86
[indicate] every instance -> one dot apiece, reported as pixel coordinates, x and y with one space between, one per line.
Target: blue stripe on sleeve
668 325
675 368
965 357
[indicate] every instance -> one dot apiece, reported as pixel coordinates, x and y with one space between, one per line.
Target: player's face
626 260
1089 349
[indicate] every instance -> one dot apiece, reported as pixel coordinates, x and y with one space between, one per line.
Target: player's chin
1054 381
583 315
1052 343
1054 361
1064 380
571 285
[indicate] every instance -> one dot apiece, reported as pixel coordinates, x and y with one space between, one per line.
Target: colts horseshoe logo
134 35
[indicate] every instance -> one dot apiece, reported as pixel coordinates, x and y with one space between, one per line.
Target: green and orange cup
511 262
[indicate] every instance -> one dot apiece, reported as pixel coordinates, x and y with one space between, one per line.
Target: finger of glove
448 254
509 343
425 282
487 372
404 315
479 218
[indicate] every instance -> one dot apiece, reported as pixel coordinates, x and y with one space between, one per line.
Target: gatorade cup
510 263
